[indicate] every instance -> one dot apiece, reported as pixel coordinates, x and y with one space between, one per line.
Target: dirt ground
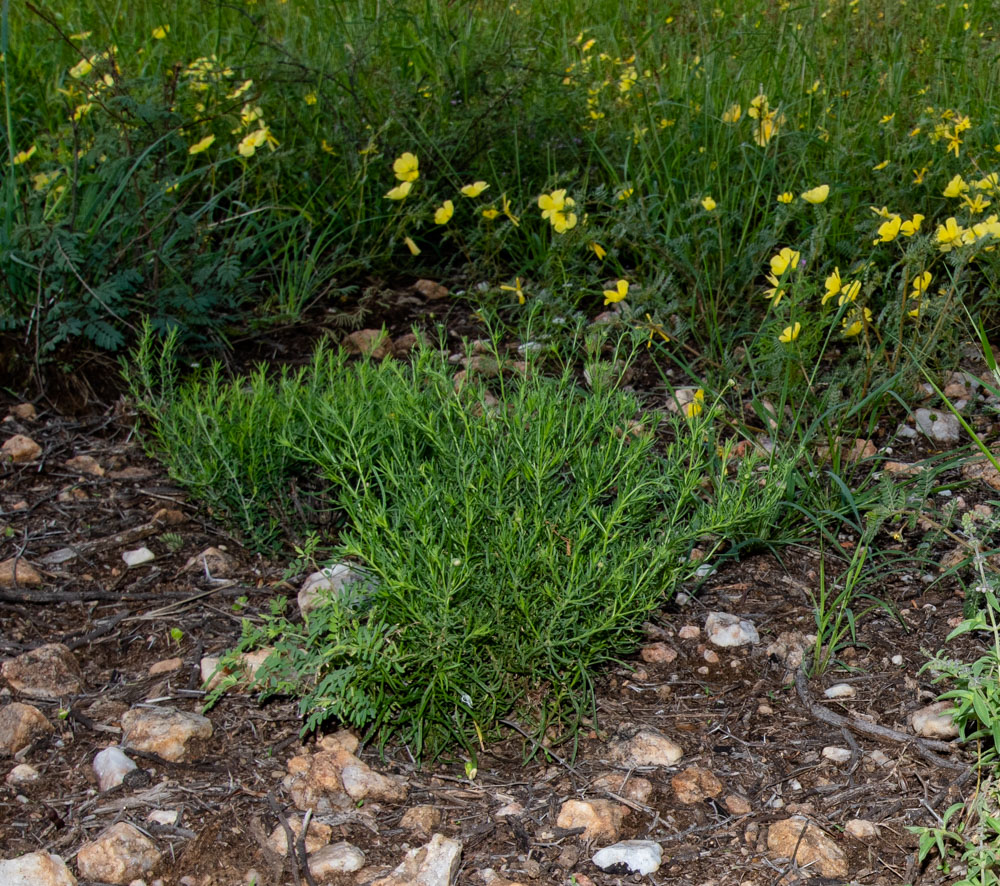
736 712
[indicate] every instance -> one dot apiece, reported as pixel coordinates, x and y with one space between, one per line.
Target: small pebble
897 660
138 556
836 755
840 690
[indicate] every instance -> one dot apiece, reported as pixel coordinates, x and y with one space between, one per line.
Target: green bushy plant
513 542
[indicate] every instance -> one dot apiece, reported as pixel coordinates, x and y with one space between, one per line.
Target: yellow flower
856 321
161 32
816 195
505 208
516 289
598 250
790 333
765 130
786 197
878 167
563 221
253 140
625 194
758 107
202 145
475 189
399 192
833 285
490 214
956 187
888 230
918 175
775 293
887 118
24 156
920 284
909 228
414 249
697 404
989 183
617 294
443 214
41 180
81 111
555 202
849 292
733 113
708 203
881 213
976 204
785 259
949 235
310 98
406 168
81 68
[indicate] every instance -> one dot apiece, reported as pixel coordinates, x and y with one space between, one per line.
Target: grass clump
513 545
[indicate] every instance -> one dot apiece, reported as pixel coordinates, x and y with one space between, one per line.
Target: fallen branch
924 746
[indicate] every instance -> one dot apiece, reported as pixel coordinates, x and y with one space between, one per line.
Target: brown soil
738 715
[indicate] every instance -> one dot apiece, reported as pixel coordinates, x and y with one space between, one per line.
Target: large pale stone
935 721
163 731
36 869
811 846
648 747
111 766
637 856
119 855
18 571
631 787
601 819
433 864
19 725
336 858
213 563
317 837
49 671
940 425
335 777
338 580
726 630
20 449
694 784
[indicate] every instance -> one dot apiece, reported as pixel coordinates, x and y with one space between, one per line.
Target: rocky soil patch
706 763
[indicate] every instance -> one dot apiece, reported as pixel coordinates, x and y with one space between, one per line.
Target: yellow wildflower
918 175
849 292
310 98
854 322
708 203
816 195
400 192
516 289
833 285
949 235
443 214
790 333
202 145
888 230
878 167
909 228
733 113
160 32
598 250
775 293
920 284
475 189
406 168
786 197
555 202
563 221
41 180
24 156
81 68
976 204
887 118
414 249
697 404
491 213
505 208
956 187
617 294
625 194
785 259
